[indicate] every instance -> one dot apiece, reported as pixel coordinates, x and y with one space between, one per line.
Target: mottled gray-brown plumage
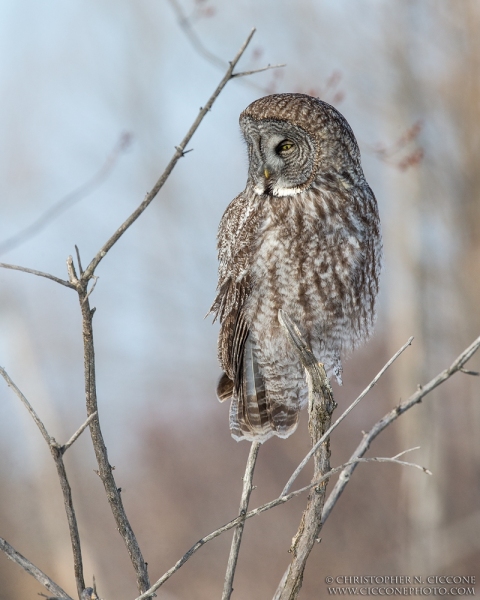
304 237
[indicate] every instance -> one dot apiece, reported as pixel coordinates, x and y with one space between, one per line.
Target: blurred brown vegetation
181 472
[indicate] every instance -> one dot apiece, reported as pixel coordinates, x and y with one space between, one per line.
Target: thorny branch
237 535
57 452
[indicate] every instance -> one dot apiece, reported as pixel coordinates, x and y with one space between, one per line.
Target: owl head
294 141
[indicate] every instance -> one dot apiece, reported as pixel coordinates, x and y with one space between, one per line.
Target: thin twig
72 274
186 26
39 273
403 452
253 513
343 415
71 518
57 453
179 152
95 279
28 406
393 460
105 470
267 68
79 432
237 534
468 372
194 39
391 416
79 260
69 200
32 570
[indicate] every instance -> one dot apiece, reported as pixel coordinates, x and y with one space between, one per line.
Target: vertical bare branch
300 467
320 407
104 468
57 454
237 534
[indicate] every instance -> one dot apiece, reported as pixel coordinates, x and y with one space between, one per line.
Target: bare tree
321 406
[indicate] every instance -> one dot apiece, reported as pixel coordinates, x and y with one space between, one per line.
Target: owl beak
262 183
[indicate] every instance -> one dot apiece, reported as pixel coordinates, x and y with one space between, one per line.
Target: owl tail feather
256 414
224 388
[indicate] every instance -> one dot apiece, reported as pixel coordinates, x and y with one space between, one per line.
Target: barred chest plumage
309 259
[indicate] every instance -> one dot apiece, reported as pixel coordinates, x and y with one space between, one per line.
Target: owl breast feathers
304 236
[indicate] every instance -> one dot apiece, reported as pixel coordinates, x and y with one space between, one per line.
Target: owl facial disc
281 156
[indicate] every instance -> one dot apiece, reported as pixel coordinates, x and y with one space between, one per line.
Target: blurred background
94 95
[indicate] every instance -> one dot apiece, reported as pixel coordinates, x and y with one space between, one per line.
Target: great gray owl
304 236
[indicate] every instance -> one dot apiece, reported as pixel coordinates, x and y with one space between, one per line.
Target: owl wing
236 242
256 413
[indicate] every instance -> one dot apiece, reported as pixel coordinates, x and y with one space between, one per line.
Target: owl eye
284 146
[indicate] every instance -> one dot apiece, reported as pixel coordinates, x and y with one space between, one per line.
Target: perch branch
57 454
39 273
390 417
179 152
32 570
342 416
237 534
320 408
